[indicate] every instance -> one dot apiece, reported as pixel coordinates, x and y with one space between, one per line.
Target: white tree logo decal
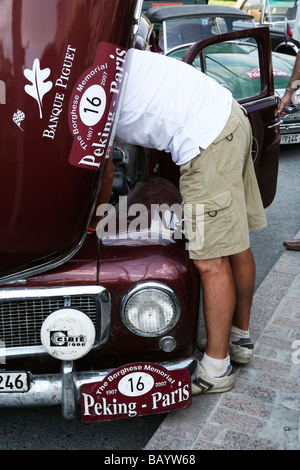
39 85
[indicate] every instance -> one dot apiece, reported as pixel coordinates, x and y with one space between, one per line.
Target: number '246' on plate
14 382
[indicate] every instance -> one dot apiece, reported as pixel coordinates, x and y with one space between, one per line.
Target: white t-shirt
171 106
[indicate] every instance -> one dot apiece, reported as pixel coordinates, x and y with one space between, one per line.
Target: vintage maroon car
103 324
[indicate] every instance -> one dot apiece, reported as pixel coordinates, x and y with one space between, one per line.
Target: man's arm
292 85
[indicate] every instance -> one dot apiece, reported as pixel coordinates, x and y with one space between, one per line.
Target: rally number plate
136 390
12 382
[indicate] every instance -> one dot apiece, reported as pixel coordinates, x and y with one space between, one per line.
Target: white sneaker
240 352
204 383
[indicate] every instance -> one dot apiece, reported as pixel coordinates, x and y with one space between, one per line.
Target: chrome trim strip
276 124
165 37
32 292
260 100
289 45
289 127
64 388
19 352
99 292
137 18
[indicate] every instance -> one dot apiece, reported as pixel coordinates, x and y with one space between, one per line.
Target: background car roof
158 14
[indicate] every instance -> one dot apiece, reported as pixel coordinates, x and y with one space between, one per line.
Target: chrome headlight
150 309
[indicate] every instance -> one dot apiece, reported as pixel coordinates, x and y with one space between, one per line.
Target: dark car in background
103 324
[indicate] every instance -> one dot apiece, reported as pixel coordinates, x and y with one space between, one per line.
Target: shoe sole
238 360
291 249
204 384
200 391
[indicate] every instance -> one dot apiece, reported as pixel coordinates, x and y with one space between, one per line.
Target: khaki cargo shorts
221 198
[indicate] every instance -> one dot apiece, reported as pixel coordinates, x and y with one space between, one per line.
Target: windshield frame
171 22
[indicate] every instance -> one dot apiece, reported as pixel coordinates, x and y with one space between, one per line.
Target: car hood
53 126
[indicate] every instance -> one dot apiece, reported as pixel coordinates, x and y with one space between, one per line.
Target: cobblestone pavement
262 411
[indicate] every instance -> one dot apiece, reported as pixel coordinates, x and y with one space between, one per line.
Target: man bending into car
171 106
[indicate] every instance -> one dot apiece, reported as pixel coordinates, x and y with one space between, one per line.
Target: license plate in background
290 139
14 382
135 390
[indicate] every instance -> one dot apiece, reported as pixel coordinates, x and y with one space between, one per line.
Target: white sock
215 367
237 333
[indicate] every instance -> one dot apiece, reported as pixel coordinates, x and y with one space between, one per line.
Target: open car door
242 62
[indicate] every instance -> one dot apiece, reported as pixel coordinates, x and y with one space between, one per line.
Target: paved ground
262 411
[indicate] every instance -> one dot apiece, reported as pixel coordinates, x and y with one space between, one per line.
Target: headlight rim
150 285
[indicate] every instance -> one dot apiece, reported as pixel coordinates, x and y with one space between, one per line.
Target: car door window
234 64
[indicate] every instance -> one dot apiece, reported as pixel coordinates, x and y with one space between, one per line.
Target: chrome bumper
290 128
64 388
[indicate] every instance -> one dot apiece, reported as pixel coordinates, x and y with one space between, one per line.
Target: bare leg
219 303
228 286
243 271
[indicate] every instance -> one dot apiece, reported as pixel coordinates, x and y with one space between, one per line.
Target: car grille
21 319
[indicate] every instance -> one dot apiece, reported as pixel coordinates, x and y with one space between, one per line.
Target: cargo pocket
218 202
212 226
221 222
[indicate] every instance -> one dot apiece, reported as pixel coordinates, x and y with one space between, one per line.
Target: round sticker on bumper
68 334
136 384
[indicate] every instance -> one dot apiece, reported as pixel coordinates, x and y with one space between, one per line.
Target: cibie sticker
94 107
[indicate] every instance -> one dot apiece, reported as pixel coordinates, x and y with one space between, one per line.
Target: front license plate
290 139
136 390
14 382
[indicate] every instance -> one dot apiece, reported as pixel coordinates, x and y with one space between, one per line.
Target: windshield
174 33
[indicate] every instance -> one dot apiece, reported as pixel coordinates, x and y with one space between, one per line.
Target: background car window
274 10
279 10
174 33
